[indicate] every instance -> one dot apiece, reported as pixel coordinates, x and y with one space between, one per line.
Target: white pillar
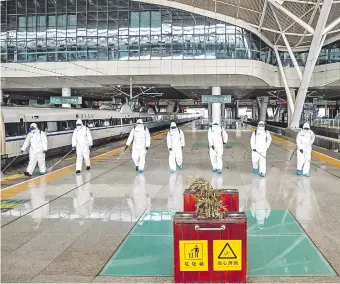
313 55
0 96
290 113
263 109
66 92
284 80
216 107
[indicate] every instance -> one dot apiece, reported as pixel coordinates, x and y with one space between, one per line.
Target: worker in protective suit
176 142
82 141
259 142
140 136
304 142
36 140
259 206
217 136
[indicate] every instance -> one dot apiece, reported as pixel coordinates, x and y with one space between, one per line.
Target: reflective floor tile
154 222
285 256
275 222
142 256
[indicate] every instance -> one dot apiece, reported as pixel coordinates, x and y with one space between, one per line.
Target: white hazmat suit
176 142
260 141
217 136
140 136
36 140
82 140
304 141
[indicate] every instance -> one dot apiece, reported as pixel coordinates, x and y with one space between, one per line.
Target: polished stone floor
66 227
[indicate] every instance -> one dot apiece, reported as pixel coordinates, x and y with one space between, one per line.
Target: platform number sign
193 255
227 255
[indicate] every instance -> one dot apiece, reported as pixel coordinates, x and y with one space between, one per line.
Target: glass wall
70 30
328 54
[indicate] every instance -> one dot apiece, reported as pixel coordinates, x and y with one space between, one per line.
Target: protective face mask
78 126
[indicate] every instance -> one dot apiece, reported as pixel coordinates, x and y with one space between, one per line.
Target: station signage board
66 100
245 103
216 99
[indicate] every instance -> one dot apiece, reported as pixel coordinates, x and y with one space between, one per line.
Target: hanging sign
65 100
216 99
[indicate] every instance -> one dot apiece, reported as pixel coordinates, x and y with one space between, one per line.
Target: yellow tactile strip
37 181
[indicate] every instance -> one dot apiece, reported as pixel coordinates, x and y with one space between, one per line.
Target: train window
126 120
52 126
12 129
91 123
63 126
144 119
71 124
106 123
99 122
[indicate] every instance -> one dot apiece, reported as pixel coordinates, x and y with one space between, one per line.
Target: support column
290 114
66 92
237 109
263 110
284 80
0 96
223 111
216 107
317 42
277 113
170 107
209 111
253 113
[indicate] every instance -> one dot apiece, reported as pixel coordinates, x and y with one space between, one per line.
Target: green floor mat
277 247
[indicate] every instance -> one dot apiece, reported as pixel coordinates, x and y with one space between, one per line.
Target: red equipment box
229 199
210 250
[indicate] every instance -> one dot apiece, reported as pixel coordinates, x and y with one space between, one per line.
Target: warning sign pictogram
227 255
193 255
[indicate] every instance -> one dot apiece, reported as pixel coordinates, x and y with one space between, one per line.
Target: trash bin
210 250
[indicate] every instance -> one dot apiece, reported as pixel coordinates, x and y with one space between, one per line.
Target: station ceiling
270 17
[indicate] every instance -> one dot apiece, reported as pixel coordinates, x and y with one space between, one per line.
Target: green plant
208 201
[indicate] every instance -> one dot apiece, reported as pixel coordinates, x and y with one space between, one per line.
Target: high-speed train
59 123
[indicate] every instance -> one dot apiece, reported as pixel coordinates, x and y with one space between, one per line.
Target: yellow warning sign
227 255
193 255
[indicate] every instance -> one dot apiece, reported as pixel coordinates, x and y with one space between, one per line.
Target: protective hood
306 125
79 122
260 126
34 127
140 121
173 124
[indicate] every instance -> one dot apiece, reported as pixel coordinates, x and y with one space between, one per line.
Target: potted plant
229 197
210 245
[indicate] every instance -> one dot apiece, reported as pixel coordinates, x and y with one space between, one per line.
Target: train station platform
111 224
